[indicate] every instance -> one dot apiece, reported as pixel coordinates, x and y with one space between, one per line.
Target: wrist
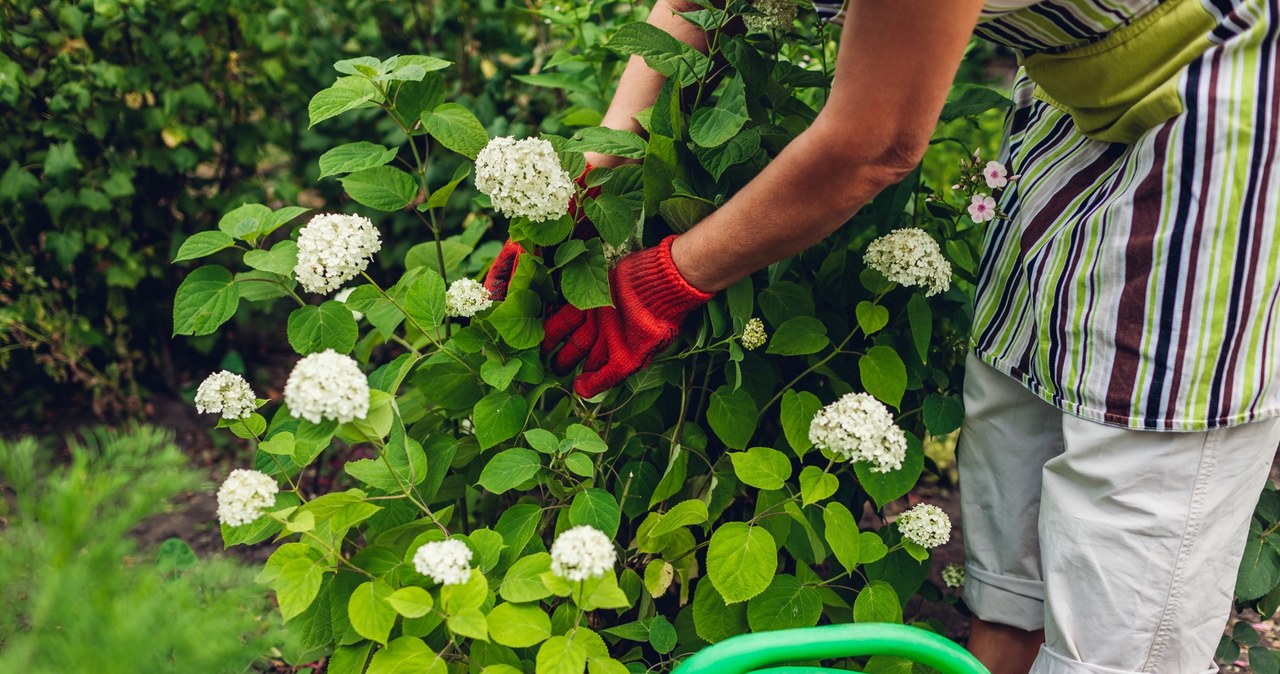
688 267
660 286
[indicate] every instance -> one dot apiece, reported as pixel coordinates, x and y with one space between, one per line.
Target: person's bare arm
639 85
896 63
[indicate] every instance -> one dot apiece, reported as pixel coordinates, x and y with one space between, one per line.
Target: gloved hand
504 266
650 301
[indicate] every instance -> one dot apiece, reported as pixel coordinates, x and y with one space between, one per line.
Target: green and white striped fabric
1139 285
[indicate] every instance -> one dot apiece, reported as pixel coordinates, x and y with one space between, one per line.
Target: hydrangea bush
487 519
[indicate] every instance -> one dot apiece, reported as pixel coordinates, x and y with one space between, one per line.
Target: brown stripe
1059 204
1132 308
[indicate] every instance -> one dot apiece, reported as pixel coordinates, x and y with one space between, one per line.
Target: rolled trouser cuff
1050 661
1016 602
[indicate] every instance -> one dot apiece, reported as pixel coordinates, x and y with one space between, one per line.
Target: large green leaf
877 603
518 319
942 414
785 604
732 415
713 619
202 244
425 301
841 532
370 611
741 560
799 336
346 94
659 49
523 582
509 469
498 417
281 259
585 282
316 328
519 625
385 188
353 157
598 508
762 467
714 126
612 142
885 487
407 655
456 128
883 375
798 410
561 655
206 299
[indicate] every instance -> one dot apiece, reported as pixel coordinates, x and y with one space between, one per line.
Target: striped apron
1136 281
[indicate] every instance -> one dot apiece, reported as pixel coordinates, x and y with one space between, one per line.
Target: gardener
1120 395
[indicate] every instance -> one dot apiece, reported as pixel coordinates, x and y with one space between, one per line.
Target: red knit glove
650 301
504 266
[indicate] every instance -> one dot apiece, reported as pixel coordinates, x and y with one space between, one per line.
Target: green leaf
499 375
658 574
580 464
683 514
297 585
370 611
509 469
762 468
682 213
385 188
523 582
613 216
459 597
598 508
361 65
337 99
972 99
519 625
713 619
175 555
440 197
353 157
350 659
456 128
920 316
732 415
202 244
871 548
277 219
612 142
242 222
316 328
1259 567
883 375
871 317
662 635
816 485
206 299
885 487
585 282
518 319
406 655
942 414
498 417
561 655
411 602
61 160
713 127
877 603
841 531
741 560
471 623
585 439
799 336
659 49
425 300
786 603
798 410
601 592
281 259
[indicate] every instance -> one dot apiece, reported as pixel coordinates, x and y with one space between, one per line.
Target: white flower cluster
953 575
225 393
334 248
753 335
582 552
773 15
925 525
911 257
614 254
466 297
327 385
524 178
445 562
857 427
244 496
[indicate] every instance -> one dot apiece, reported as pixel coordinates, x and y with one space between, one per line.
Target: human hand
650 301
503 268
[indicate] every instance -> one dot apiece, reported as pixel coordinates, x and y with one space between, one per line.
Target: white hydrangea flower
995 174
524 178
911 257
227 394
244 496
466 297
327 385
982 208
925 525
334 248
857 427
774 15
953 575
582 552
614 254
445 562
753 335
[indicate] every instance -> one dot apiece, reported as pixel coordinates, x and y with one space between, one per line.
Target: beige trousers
1123 545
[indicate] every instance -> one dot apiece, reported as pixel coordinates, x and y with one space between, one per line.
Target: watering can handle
748 652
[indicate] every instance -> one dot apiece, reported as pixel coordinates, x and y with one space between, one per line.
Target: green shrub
78 594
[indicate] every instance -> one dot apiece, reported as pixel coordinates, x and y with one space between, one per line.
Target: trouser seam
1190 533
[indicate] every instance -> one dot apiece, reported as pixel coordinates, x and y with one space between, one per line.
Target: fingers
502 269
560 325
577 345
593 382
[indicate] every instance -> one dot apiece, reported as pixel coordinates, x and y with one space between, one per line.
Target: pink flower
983 208
995 174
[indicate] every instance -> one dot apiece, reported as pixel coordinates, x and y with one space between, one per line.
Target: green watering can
763 651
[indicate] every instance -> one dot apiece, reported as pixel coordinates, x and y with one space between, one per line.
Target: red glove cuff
675 296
